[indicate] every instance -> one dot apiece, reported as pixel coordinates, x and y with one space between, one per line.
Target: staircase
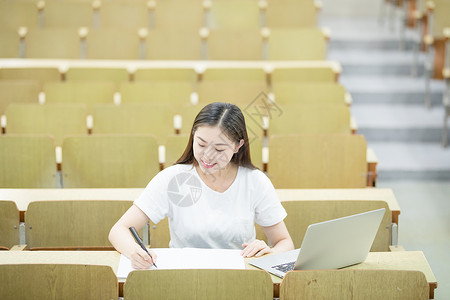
388 102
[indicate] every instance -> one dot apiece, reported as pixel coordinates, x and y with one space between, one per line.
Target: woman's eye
202 146
219 150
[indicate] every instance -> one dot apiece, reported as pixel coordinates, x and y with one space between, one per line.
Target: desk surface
198 65
22 197
399 260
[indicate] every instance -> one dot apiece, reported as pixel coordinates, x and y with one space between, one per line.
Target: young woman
212 196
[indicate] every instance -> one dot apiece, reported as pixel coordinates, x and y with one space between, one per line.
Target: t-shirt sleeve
268 210
154 200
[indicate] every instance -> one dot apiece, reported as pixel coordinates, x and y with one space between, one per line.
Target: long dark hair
229 118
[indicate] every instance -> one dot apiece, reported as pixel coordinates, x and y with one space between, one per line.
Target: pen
139 241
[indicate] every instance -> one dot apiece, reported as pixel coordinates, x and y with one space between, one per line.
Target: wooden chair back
291 14
159 234
175 146
72 224
318 161
301 214
72 14
309 92
297 44
354 284
109 161
134 118
227 44
311 119
198 284
53 43
181 44
56 119
234 14
39 74
113 43
244 74
9 224
58 281
15 14
28 161
241 93
176 15
10 43
307 74
18 91
86 92
166 74
115 75
124 14
176 93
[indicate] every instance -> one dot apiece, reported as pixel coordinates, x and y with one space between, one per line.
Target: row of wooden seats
49 225
142 44
105 161
96 281
177 94
159 14
161 120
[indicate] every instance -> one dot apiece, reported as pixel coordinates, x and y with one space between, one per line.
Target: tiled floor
424 224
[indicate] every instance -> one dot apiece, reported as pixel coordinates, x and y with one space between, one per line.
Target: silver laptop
331 244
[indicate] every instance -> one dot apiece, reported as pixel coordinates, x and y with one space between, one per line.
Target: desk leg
276 290
433 286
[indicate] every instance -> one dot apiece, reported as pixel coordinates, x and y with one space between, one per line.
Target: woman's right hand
140 260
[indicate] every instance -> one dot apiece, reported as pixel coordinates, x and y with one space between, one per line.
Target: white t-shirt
200 217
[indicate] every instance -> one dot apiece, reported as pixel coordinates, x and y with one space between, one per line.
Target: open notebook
189 258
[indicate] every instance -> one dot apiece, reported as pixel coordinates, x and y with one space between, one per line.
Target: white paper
189 258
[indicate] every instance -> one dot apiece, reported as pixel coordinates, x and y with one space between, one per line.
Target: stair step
392 89
380 63
412 161
399 123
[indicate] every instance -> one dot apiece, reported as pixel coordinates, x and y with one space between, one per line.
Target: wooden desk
198 65
398 260
22 197
401 260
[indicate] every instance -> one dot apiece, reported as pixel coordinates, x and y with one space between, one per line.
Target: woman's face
213 150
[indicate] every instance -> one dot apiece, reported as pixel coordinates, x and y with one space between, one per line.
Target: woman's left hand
255 248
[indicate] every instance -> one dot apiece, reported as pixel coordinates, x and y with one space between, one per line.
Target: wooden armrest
446 73
318 4
372 162
428 40
353 125
348 99
326 33
18 247
396 248
371 157
446 32
417 14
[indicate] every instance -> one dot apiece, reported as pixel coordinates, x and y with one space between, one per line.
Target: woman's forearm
122 240
283 245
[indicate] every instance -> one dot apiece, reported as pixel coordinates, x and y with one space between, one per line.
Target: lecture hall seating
58 281
199 284
9 225
72 224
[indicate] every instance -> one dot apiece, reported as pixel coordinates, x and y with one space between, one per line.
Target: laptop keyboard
285 267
